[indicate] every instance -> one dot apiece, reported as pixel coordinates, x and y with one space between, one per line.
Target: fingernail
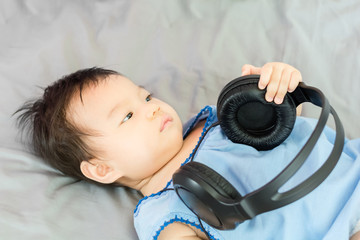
261 86
278 100
268 98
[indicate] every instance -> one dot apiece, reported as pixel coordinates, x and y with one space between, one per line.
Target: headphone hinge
299 96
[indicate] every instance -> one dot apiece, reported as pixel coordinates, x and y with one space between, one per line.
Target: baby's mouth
165 121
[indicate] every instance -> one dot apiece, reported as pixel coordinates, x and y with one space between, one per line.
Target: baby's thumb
248 69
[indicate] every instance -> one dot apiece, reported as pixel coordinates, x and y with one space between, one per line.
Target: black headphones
246 117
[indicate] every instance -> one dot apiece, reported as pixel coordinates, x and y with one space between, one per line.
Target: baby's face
130 131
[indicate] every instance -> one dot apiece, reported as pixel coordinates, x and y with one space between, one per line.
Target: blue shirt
329 212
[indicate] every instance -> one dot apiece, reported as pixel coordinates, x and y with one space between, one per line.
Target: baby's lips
164 120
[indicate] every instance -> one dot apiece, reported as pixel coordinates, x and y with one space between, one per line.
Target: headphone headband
268 198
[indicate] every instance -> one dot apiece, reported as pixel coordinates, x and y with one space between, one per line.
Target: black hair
52 136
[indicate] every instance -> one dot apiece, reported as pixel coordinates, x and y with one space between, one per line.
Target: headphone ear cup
246 117
203 191
212 179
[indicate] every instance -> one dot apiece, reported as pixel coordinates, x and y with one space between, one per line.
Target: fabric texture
328 212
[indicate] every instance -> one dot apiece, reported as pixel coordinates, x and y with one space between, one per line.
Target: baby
97 125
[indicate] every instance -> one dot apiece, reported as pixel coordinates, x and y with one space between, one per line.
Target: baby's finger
245 70
294 80
283 86
264 80
248 69
273 85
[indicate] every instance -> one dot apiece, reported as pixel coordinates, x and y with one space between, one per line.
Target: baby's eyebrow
117 106
141 87
113 110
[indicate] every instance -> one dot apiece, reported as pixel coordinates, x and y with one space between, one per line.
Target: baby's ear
99 171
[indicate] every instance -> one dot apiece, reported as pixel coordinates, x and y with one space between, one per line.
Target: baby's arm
356 236
181 231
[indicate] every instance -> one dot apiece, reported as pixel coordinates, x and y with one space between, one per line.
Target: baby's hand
276 77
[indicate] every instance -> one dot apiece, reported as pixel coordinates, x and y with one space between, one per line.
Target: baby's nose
154 113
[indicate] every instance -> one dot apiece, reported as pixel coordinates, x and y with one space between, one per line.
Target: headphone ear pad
212 179
246 117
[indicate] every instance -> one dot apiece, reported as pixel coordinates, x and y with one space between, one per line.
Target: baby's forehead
91 103
106 85
104 91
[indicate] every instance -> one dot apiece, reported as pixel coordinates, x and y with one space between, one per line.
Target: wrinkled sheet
184 51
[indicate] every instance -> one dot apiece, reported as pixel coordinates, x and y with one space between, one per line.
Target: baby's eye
149 97
128 116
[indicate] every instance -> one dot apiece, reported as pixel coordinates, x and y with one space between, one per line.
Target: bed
184 51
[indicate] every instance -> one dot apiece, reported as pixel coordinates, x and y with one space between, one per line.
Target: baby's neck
159 180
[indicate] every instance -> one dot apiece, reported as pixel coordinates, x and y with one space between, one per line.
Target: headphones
247 118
